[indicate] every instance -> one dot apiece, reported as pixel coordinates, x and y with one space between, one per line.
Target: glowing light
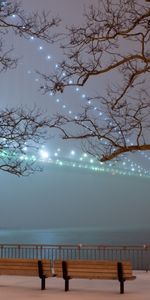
95 167
25 149
72 152
84 161
44 154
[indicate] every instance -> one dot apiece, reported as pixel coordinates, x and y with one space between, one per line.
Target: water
74 236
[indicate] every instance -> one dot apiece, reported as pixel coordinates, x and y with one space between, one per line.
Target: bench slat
26 267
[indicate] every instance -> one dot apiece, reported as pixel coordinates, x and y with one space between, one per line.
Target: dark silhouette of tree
19 127
22 132
14 20
114 45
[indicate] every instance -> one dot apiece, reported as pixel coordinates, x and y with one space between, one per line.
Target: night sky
74 195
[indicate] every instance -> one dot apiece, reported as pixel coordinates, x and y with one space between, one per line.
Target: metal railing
138 255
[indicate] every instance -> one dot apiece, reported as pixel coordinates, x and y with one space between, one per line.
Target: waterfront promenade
18 287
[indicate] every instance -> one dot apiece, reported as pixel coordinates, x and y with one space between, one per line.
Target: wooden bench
26 267
91 269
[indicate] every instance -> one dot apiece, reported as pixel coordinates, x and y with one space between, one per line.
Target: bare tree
13 19
20 128
113 44
22 132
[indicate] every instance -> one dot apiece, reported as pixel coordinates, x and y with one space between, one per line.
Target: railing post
18 251
41 252
36 253
146 257
79 250
2 247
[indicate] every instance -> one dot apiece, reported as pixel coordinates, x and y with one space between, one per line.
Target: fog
59 198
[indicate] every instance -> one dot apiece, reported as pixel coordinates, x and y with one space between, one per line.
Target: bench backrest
25 267
93 269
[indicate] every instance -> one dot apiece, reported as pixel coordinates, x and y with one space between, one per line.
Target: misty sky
63 197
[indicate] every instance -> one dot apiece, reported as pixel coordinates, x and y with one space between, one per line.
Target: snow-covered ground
20 288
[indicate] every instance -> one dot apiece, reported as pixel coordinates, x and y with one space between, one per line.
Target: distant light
72 152
57 100
77 89
56 66
44 154
40 47
21 157
25 148
64 106
48 57
13 16
83 95
85 155
91 160
70 81
70 112
32 38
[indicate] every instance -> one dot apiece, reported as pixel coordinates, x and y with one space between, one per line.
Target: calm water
75 236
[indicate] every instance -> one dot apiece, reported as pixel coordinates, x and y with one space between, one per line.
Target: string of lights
73 158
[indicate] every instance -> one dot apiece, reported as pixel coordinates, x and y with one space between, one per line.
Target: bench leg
122 287
120 276
66 284
43 283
